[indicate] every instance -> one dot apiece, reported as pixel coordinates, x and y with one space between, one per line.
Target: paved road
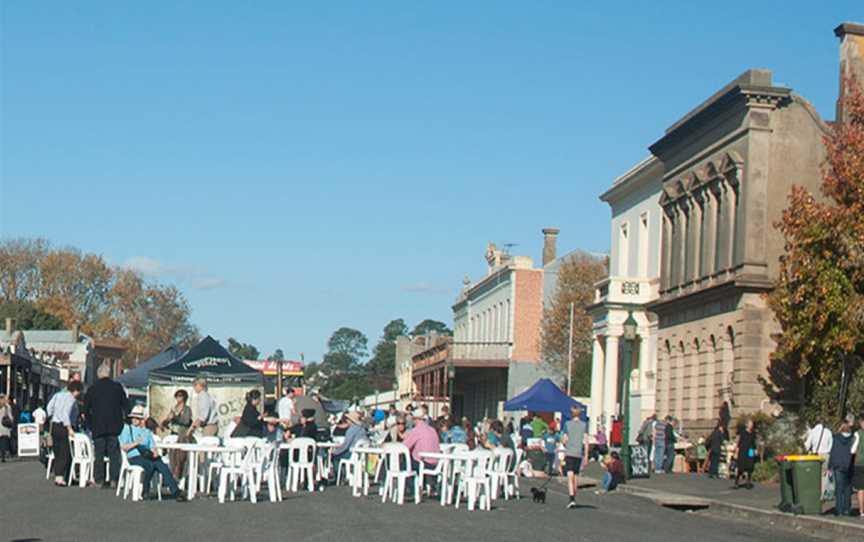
32 509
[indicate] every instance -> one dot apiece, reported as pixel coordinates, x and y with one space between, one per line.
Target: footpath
698 492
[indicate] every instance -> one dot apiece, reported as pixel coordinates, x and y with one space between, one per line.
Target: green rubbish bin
806 483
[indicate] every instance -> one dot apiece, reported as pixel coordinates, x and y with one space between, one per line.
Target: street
32 509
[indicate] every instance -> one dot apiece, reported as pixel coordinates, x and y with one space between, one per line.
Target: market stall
228 379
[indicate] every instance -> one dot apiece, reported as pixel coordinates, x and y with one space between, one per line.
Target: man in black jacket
105 406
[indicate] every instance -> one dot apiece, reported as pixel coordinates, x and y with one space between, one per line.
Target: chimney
851 57
10 327
76 332
550 238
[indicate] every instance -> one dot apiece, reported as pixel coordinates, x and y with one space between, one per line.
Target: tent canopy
207 359
545 396
137 377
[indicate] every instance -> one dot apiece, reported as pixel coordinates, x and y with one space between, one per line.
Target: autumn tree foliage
819 297
48 288
576 278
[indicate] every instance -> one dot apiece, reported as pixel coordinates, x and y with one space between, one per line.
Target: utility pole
570 355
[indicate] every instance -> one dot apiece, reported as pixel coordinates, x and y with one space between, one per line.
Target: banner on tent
230 401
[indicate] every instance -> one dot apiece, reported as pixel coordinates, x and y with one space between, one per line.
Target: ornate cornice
725 168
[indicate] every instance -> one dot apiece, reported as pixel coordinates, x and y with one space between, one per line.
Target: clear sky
296 167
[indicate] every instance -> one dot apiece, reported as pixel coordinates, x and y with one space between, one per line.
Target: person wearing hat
137 443
353 436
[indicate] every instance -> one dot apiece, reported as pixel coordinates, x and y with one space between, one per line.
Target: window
643 245
623 250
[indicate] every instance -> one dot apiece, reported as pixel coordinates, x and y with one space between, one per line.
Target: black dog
538 495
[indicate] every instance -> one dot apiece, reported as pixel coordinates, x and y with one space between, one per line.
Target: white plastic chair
271 474
436 472
476 480
511 476
50 458
399 472
243 473
301 463
350 465
503 457
131 479
82 457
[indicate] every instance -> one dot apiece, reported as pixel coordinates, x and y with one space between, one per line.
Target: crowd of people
843 453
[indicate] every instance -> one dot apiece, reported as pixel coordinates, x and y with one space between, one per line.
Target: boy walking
575 440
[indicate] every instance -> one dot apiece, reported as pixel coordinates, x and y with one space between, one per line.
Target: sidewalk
698 491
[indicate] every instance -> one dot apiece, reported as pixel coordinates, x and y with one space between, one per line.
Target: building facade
729 165
632 284
495 349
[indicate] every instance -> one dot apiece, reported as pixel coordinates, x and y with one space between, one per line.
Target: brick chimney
851 57
550 240
10 326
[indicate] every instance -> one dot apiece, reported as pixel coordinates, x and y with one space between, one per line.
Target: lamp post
451 376
630 327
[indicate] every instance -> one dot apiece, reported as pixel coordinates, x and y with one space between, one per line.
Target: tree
27 316
75 287
427 325
346 348
819 295
20 265
576 278
381 368
277 355
242 350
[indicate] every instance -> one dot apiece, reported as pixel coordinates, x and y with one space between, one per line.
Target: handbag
7 422
828 486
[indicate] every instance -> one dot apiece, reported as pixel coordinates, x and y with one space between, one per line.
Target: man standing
575 449
670 439
105 406
206 417
63 409
39 415
285 408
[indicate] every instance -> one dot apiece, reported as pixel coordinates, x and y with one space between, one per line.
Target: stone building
722 174
633 283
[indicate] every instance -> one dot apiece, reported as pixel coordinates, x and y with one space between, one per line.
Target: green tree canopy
428 325
277 355
28 316
242 350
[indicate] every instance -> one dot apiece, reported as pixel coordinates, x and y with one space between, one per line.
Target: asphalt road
33 509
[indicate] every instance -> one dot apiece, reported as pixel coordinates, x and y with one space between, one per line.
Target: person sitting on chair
138 444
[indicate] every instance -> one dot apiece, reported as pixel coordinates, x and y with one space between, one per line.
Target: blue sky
299 167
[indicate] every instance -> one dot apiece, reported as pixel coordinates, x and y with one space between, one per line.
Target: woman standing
179 421
746 449
715 447
6 424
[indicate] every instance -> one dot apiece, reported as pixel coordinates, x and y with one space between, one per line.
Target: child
551 438
614 474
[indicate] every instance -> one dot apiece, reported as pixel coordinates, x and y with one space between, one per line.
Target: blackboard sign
639 465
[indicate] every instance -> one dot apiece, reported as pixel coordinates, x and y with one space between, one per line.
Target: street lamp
451 376
630 328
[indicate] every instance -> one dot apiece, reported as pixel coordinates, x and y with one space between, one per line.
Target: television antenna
508 246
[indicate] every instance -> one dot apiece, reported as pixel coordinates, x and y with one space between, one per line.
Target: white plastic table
448 459
365 452
193 450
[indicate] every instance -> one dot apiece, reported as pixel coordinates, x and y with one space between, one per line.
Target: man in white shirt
819 440
39 415
285 408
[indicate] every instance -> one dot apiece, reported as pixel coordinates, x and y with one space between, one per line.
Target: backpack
841 453
25 417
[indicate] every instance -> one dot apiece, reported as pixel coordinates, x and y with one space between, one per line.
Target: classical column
597 370
610 380
645 362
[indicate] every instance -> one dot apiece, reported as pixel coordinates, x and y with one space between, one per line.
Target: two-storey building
634 277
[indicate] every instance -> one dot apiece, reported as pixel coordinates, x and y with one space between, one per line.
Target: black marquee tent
228 380
210 360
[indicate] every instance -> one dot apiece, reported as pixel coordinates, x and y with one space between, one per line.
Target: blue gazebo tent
545 396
